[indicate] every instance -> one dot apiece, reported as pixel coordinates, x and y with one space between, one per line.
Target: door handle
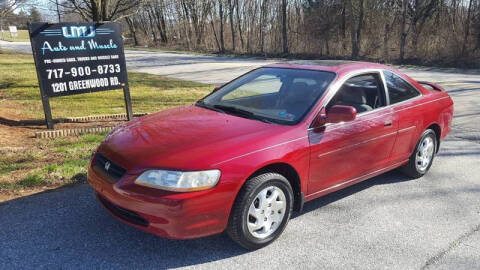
387 123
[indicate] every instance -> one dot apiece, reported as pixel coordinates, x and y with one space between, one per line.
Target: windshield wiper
240 112
202 104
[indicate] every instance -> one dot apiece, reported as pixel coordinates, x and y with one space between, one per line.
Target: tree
440 31
239 24
231 8
57 10
220 14
420 11
102 10
131 26
356 25
403 30
159 11
7 8
34 16
284 27
467 28
263 23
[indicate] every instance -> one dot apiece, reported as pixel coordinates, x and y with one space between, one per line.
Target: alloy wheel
424 153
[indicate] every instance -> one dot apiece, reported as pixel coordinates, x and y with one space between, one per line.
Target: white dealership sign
13 31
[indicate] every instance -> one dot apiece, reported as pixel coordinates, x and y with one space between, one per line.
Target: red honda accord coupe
245 156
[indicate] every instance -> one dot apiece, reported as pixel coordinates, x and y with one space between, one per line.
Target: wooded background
434 32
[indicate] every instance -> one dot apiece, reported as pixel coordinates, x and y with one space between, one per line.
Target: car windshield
279 95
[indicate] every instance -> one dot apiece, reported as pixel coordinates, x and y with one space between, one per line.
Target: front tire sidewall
288 196
237 227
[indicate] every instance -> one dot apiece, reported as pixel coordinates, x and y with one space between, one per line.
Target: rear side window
398 89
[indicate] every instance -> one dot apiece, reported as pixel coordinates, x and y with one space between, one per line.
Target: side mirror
216 88
341 113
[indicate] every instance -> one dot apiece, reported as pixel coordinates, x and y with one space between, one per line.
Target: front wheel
422 158
261 211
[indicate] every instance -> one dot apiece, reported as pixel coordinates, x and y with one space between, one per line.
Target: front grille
113 171
123 213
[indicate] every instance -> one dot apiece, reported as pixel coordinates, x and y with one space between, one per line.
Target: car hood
186 138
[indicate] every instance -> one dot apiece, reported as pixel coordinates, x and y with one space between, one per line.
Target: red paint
326 158
341 113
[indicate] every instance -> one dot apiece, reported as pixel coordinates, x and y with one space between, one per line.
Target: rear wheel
261 211
422 158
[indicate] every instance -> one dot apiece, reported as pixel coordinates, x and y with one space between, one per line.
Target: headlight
179 181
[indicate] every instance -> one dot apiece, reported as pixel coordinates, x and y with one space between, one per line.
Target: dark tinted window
398 89
278 95
363 92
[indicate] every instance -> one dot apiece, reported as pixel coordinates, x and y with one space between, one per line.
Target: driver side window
364 93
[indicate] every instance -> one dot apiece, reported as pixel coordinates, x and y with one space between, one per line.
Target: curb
70 132
118 116
83 119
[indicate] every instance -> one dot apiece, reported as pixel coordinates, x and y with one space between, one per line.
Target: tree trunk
58 11
152 28
95 11
215 35
186 24
467 28
131 27
327 46
160 22
222 41
360 26
232 27
284 26
263 18
403 30
414 38
355 29
386 36
239 25
344 26
104 10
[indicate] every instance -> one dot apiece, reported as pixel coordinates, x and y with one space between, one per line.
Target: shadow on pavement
68 228
390 177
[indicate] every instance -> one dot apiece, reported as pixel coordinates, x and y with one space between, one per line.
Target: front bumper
166 214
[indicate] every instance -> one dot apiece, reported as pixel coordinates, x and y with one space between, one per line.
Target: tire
415 168
244 226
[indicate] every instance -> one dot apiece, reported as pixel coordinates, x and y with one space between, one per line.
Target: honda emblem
107 166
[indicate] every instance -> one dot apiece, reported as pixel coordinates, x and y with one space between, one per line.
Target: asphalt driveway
385 222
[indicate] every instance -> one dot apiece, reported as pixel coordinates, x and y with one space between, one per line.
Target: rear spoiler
432 85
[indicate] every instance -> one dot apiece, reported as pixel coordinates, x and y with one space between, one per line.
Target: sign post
128 101
77 58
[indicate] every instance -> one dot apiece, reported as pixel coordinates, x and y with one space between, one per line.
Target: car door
403 99
342 152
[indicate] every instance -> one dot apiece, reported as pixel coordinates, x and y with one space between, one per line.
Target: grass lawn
22 36
47 163
55 162
150 93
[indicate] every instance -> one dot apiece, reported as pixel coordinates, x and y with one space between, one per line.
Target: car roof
337 66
